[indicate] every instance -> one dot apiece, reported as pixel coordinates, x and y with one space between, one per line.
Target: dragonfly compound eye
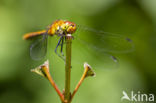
71 29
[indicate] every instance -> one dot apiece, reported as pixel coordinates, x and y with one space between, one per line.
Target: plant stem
53 83
79 83
87 72
67 94
43 70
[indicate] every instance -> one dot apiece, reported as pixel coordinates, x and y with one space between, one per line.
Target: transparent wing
38 49
105 42
97 59
96 48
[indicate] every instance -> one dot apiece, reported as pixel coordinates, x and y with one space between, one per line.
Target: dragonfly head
69 27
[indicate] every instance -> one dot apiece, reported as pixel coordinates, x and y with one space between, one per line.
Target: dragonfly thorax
61 27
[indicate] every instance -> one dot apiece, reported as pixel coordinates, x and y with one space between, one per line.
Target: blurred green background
136 72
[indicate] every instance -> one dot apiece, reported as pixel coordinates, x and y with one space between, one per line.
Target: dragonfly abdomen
33 34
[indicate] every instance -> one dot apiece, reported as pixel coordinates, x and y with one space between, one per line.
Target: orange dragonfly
98 40
60 28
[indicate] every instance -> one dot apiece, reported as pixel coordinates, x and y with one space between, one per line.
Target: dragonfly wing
105 42
38 49
95 47
97 59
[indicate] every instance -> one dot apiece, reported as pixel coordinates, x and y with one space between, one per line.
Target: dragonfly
60 28
99 41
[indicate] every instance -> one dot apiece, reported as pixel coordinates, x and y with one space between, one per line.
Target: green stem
67 94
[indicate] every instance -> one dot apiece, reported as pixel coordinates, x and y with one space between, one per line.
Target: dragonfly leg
61 50
60 41
58 45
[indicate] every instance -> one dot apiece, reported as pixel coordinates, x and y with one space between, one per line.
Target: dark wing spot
128 39
114 58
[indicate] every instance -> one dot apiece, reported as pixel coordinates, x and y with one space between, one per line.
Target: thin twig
87 72
53 83
78 85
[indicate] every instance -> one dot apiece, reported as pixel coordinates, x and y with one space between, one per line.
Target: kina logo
137 97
